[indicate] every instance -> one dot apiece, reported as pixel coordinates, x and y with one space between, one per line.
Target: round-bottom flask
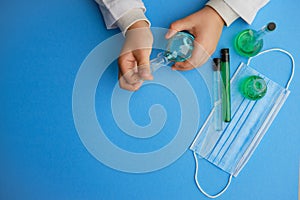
254 88
246 44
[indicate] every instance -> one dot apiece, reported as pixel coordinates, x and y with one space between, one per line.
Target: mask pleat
245 134
230 148
235 128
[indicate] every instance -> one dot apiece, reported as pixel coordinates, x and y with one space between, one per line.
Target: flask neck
258 35
158 62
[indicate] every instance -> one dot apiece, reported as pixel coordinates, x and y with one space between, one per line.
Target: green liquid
254 88
226 95
247 43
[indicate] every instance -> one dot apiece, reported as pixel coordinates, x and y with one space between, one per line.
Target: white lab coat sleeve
230 10
122 13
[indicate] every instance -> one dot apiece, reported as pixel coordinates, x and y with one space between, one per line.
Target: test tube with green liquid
249 42
226 95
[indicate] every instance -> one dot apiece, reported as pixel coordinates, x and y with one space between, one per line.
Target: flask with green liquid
249 42
253 88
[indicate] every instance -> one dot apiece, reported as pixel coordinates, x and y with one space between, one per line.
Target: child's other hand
206 25
134 60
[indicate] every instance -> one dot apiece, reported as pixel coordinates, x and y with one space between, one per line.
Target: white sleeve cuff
224 10
130 18
246 9
113 10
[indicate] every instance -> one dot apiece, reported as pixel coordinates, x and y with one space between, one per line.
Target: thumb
177 26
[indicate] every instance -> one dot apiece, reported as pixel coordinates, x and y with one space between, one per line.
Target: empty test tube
217 94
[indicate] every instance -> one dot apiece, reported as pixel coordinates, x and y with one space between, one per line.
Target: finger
198 58
180 66
125 85
145 72
128 69
133 87
170 33
177 26
131 76
143 63
200 53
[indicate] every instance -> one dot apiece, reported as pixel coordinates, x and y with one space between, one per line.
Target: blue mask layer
231 148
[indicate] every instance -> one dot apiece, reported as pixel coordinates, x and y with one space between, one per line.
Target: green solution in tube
254 88
225 74
249 42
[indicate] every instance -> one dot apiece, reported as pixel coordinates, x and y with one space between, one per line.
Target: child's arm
246 9
133 62
207 24
122 13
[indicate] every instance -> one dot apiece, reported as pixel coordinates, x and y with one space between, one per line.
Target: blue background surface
43 44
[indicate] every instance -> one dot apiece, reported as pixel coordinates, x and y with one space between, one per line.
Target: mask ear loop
283 51
200 188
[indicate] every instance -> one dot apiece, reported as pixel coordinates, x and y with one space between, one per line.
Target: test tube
217 94
225 71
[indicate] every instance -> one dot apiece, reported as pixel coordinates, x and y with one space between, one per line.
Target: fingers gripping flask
179 49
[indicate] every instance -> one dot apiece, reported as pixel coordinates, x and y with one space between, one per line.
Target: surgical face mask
231 148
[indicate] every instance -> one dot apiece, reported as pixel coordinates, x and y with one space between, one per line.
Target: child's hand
134 63
206 25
